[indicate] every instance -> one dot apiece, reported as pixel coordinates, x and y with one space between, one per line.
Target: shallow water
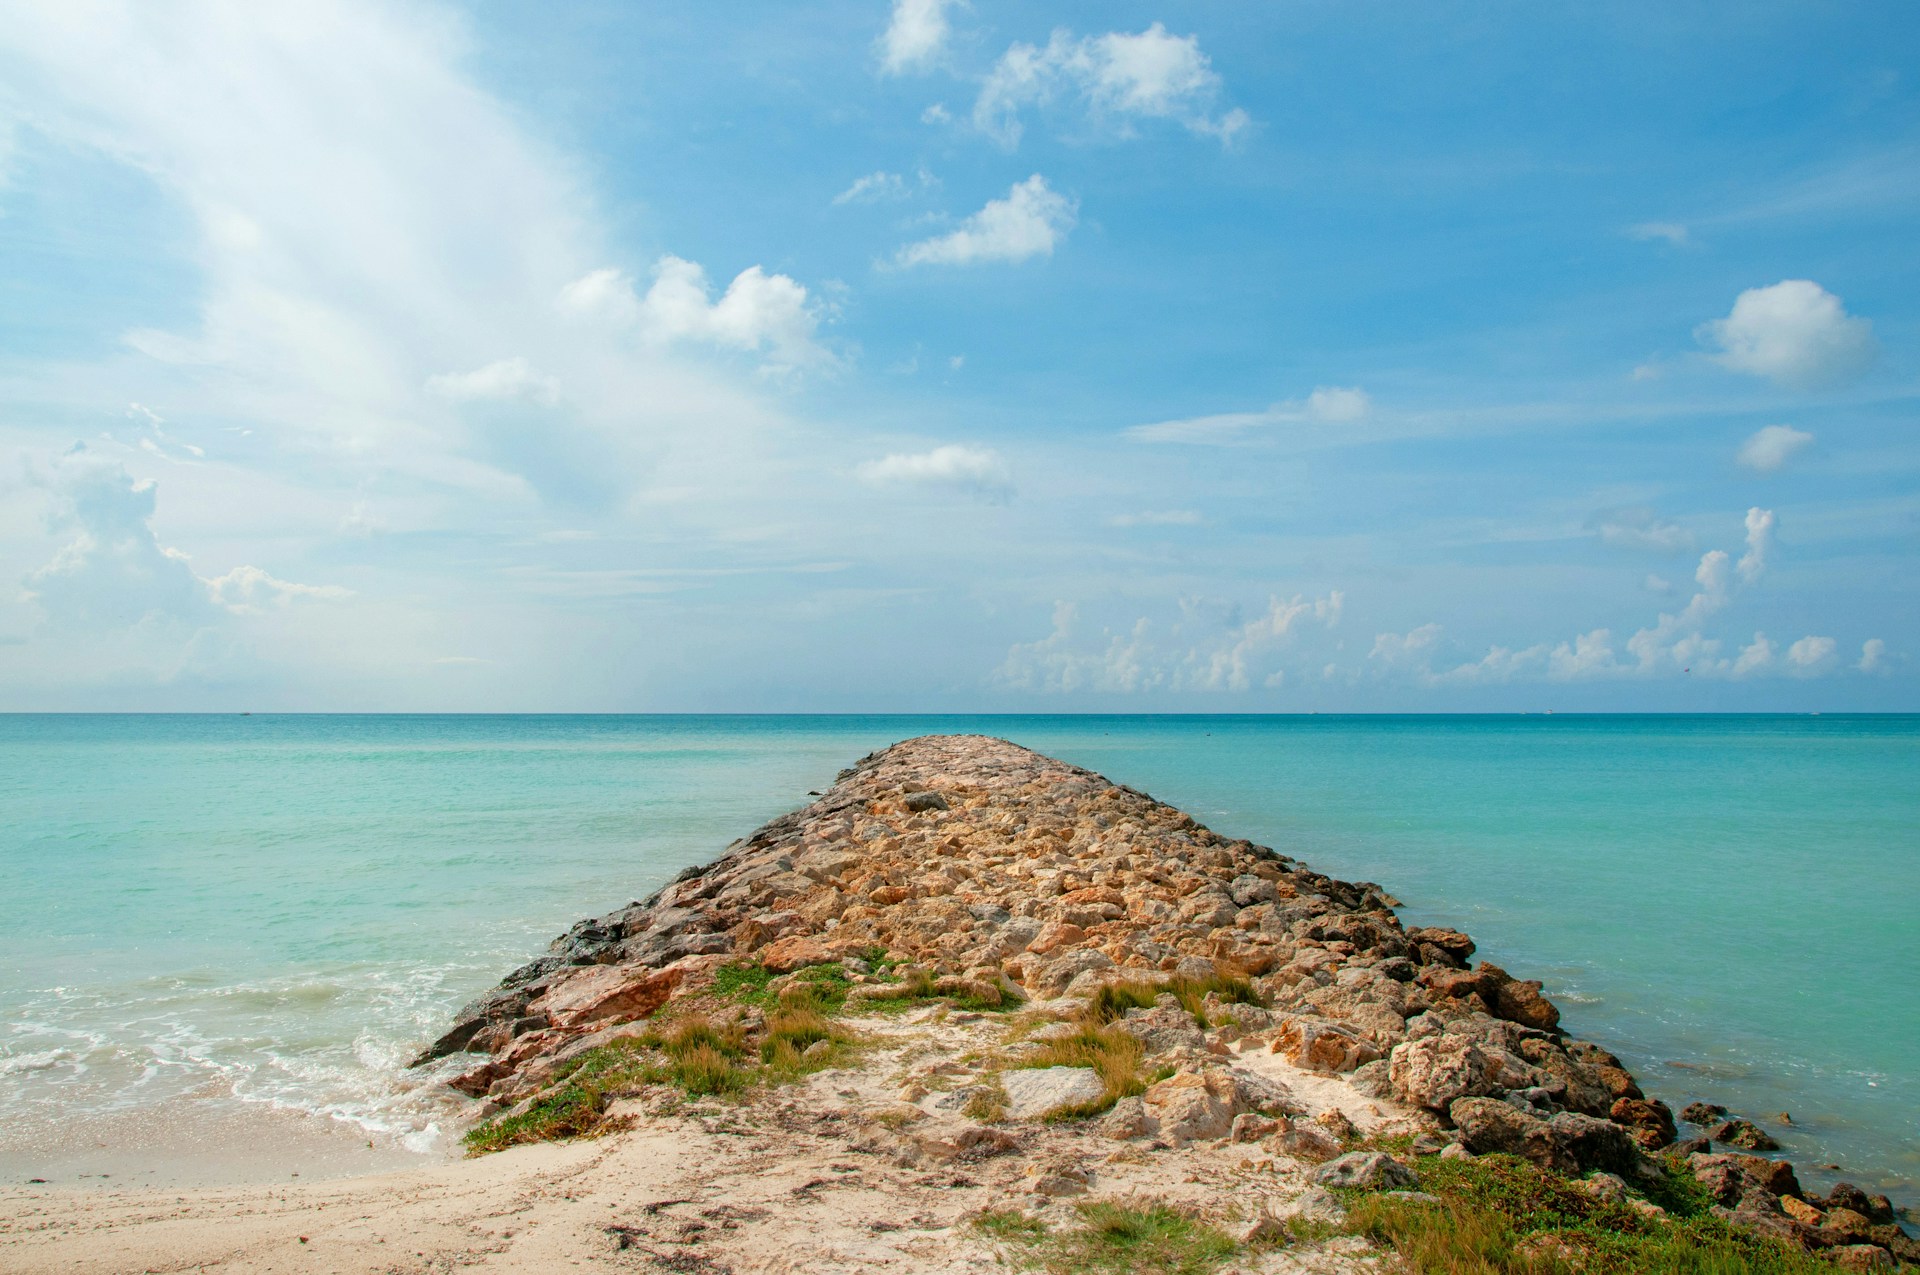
273 912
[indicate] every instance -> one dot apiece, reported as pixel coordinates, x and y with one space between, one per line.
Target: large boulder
599 994
1436 1071
1365 1171
1650 1121
1566 1142
1037 1092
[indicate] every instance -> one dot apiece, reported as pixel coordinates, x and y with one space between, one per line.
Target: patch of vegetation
1500 1215
792 1032
1141 1237
700 1058
1112 1002
744 982
919 987
576 1106
1108 1050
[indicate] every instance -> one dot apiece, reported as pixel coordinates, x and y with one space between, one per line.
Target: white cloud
1670 231
1759 540
1795 333
1144 657
1328 404
872 188
1810 653
1158 518
1770 447
976 470
1754 657
1117 77
114 575
1873 656
250 591
916 35
1403 649
503 381
1588 655
757 312
1641 528
1029 222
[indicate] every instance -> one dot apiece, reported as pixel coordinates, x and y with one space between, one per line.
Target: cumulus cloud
1117 78
758 311
1794 333
1029 222
1770 447
113 574
872 188
1640 528
1810 653
979 471
504 381
916 35
1754 657
1327 405
1759 540
1191 654
1873 656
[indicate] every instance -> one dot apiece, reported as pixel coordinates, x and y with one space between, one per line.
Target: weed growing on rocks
1138 1237
1112 1002
1500 1215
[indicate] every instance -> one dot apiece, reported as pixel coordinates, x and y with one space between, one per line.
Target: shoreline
885 862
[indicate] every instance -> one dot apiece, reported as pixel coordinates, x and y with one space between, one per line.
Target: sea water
273 913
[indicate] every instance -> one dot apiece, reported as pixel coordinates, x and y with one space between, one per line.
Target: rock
1191 1106
1743 1134
1128 1119
1317 1045
1444 947
1845 1195
1846 1227
611 993
1691 1147
1034 1093
1608 1188
1374 1079
1305 1142
1435 1071
1861 1257
1264 1228
1729 1176
1702 1112
1057 975
1568 1142
1519 1000
1454 1151
796 951
1365 1171
1315 1204
1800 1211
1649 1121
1250 1126
1057 1184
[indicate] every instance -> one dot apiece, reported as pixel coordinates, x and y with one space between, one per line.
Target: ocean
222 915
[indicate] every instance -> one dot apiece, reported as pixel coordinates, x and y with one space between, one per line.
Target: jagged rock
1128 1119
1743 1134
1650 1122
615 993
1305 1142
1845 1195
1702 1113
1567 1142
1435 1071
1365 1171
1861 1257
1318 1045
1034 1093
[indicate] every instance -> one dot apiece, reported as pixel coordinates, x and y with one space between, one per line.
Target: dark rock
1692 1146
1845 1195
1702 1113
1517 1000
918 801
1437 946
1743 1134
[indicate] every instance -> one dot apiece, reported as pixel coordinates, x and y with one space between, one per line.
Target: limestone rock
1034 1093
1365 1171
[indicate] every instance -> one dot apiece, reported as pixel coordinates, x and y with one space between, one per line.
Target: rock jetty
1279 1029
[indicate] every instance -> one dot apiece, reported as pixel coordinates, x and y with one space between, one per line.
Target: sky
959 356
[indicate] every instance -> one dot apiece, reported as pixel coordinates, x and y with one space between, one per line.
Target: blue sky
912 356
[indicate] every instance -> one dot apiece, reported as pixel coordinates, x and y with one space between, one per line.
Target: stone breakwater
995 872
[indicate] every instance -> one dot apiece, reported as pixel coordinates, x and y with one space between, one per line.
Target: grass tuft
1500 1215
1109 1051
1140 1237
1111 1003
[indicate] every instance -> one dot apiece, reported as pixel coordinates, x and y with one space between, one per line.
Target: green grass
791 1031
920 987
1108 1050
576 1106
1500 1215
1124 1238
1112 1002
744 983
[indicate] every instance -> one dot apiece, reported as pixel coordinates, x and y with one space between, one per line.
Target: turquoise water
278 909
